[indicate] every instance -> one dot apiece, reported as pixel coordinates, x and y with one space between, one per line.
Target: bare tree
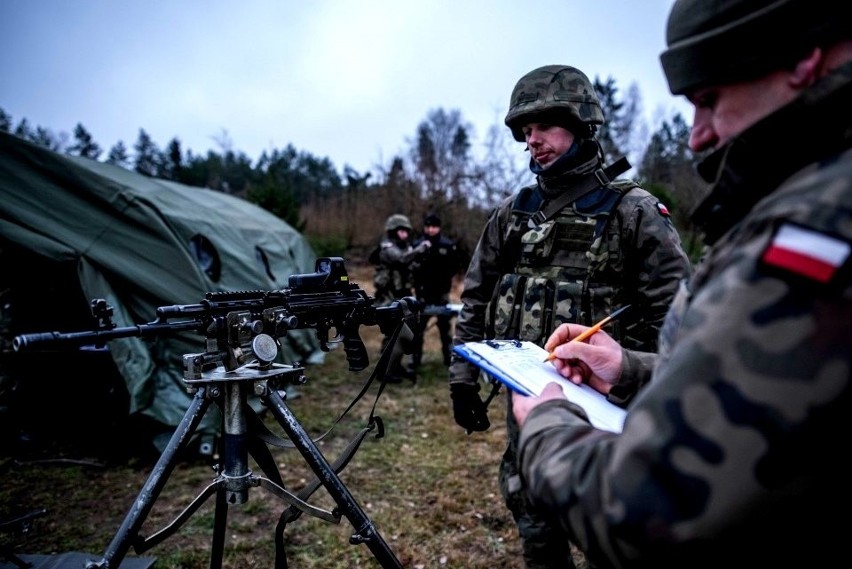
503 170
440 156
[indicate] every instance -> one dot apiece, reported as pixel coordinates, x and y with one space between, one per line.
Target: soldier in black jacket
433 280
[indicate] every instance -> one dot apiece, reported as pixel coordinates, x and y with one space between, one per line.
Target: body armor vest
562 271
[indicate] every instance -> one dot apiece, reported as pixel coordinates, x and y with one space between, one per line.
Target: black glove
468 409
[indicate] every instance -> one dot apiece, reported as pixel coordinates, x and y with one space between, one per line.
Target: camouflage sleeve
484 271
636 370
728 446
390 254
654 265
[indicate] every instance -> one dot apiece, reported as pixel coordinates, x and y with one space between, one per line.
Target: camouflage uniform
613 246
393 280
726 457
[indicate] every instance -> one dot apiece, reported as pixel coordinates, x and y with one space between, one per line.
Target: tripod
240 325
230 390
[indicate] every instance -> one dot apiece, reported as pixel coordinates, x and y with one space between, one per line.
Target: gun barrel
56 340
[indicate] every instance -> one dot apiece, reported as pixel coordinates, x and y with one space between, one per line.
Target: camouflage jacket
729 456
393 277
646 265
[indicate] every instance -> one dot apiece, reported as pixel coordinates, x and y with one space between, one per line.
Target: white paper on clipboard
521 366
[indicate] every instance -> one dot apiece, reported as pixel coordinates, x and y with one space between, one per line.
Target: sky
349 80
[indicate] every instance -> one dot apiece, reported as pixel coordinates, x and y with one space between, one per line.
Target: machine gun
240 324
242 332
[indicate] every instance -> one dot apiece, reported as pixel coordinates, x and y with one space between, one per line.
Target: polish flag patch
663 209
807 253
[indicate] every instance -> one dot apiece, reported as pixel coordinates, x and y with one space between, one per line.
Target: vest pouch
568 308
536 315
601 298
537 243
575 246
506 304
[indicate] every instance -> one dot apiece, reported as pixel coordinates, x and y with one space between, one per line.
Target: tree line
343 213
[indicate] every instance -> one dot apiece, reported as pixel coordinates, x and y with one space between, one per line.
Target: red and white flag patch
806 252
663 209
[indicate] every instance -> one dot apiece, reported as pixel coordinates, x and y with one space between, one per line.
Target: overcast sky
345 79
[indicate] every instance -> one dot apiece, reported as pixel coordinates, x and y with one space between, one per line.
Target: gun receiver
244 323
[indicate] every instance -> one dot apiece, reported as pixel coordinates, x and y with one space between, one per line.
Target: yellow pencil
593 330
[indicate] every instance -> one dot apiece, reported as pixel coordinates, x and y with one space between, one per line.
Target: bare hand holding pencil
593 330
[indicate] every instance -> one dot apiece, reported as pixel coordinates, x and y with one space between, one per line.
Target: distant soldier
394 280
732 455
571 248
433 281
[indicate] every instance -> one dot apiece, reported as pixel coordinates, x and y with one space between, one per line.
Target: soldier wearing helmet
393 279
732 456
573 247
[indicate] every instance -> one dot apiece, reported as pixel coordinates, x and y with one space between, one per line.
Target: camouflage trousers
545 546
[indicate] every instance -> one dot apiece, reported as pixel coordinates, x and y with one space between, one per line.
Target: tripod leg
365 531
217 550
129 530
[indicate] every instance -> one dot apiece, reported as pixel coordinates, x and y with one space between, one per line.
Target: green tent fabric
139 243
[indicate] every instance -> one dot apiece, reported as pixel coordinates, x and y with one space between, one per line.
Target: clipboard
521 367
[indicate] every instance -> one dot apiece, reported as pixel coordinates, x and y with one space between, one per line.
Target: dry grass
430 490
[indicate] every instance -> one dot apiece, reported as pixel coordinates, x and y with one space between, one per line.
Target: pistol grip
356 352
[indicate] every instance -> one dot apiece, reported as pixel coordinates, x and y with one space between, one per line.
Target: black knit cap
725 41
432 220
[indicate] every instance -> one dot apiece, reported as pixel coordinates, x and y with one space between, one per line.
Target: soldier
571 248
393 280
725 459
433 281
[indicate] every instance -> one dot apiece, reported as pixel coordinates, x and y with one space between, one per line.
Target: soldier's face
723 111
547 142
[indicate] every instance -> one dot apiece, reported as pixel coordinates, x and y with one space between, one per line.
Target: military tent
74 229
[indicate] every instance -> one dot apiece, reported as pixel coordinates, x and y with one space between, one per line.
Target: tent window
261 257
206 256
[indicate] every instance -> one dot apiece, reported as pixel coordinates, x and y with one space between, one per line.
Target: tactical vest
562 270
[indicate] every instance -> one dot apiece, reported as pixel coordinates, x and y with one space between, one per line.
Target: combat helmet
559 93
396 221
717 43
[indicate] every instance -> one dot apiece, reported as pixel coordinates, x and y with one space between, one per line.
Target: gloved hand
468 409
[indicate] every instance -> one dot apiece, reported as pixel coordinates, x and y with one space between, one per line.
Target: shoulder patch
805 252
664 211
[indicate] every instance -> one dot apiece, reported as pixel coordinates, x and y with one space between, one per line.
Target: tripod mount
242 331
